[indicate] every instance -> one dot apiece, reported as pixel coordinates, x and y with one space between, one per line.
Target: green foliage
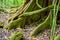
16 36
41 26
57 37
10 3
23 17
54 13
15 23
31 11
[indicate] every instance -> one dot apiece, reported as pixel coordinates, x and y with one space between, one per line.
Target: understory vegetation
31 11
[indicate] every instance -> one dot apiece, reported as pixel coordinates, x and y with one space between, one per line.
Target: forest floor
44 35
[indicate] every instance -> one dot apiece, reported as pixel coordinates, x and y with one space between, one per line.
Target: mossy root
57 37
41 26
14 24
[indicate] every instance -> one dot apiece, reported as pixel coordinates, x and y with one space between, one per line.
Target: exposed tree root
38 4
30 12
15 23
54 13
42 26
20 11
29 17
36 11
46 23
25 8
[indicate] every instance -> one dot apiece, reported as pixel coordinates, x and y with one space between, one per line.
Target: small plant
30 11
16 36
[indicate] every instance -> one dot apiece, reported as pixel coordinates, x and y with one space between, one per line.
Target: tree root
20 11
33 16
46 23
36 11
28 7
15 23
38 4
41 26
26 17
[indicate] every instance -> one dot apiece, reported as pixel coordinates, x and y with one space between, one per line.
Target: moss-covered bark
15 23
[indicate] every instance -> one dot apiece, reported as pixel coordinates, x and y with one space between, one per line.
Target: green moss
41 26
